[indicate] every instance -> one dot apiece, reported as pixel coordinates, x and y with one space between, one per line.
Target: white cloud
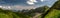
31 2
5 7
19 7
0 6
41 0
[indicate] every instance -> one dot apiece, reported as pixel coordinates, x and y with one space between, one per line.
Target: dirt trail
37 14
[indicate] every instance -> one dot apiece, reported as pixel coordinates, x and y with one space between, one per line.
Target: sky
25 4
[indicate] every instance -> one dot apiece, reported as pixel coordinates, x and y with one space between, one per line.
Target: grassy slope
3 15
54 11
10 15
53 14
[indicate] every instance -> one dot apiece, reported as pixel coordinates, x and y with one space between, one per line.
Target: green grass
53 14
2 15
10 15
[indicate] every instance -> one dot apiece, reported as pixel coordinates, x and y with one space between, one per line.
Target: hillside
21 14
7 14
53 12
11 14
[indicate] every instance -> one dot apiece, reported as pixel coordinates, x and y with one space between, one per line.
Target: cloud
17 7
41 0
23 7
0 6
14 3
5 7
31 2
